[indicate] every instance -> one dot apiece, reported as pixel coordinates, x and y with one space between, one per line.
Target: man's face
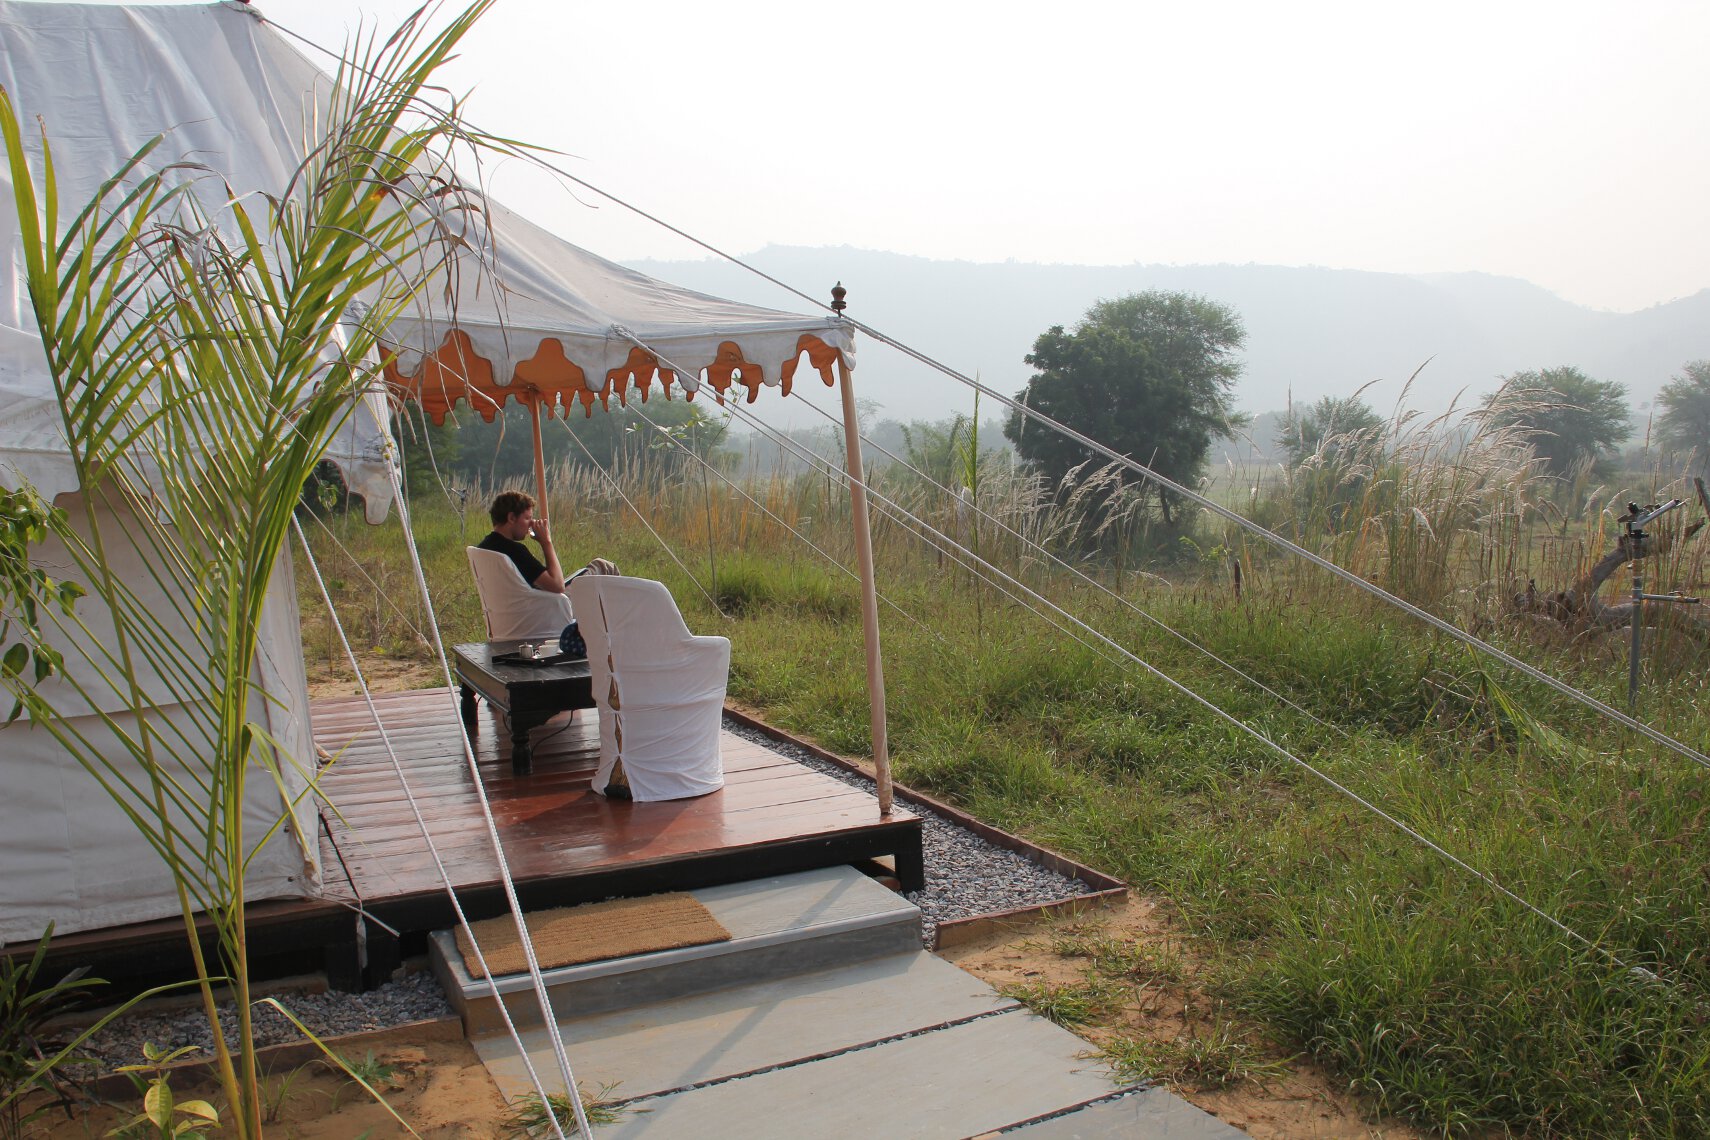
518 526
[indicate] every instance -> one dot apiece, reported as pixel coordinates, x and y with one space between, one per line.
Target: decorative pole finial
838 292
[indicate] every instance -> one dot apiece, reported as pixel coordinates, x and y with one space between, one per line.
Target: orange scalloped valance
549 379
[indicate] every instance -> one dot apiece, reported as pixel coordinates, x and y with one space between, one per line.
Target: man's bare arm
552 578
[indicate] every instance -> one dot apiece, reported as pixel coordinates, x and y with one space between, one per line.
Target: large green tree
1148 374
1684 426
1569 418
1339 426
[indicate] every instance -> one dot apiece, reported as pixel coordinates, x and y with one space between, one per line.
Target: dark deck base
563 844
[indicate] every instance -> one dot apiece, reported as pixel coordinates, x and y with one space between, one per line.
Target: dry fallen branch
1580 606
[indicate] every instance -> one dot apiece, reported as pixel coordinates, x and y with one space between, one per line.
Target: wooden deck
563 844
551 825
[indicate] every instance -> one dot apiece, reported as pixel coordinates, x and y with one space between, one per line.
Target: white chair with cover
514 609
659 688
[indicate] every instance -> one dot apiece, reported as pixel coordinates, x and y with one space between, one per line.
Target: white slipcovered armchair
659 689
513 608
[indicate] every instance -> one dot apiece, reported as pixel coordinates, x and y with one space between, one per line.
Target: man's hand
539 533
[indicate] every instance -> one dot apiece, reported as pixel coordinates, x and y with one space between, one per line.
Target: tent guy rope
445 876
1039 548
1260 532
1261 737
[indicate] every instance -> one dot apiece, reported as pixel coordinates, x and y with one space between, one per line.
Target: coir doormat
593 932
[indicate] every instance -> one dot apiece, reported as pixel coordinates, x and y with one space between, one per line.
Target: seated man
514 519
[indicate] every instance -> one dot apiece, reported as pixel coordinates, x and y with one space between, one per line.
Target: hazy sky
1565 142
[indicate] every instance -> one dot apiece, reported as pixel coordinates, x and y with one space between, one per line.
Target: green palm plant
202 360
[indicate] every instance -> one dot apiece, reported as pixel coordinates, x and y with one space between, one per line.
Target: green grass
1114 958
1213 1057
1345 938
1071 1004
529 1117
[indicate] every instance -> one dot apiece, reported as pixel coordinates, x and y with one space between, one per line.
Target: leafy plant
202 359
370 1070
163 1115
369 1073
281 1092
25 1065
24 589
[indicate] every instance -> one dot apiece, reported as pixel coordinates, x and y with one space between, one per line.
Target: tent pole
869 592
539 453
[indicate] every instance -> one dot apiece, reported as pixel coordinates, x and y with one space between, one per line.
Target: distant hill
1310 332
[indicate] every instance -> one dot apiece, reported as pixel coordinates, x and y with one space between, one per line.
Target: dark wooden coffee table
528 695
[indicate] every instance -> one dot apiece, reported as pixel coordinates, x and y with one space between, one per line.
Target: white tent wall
229 91
102 81
70 854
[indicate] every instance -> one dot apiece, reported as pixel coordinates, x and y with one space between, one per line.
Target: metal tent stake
1637 517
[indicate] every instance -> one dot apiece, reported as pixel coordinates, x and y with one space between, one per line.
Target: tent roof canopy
527 315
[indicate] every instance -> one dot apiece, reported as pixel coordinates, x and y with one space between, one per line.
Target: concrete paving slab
808 900
785 924
1145 1114
671 1045
949 1083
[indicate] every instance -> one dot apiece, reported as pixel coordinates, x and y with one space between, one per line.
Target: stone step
666 1046
1153 1112
788 924
957 1081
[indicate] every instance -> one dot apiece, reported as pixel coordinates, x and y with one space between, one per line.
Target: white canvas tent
231 92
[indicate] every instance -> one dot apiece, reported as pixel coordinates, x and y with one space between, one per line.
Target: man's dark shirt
527 564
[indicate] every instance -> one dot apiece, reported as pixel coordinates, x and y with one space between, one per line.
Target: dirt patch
432 1078
1126 981
383 674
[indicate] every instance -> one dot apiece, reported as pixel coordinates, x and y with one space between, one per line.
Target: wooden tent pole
869 592
539 454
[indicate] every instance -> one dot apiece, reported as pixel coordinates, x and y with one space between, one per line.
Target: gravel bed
414 997
965 876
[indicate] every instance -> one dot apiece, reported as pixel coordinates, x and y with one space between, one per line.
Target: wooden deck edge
1106 889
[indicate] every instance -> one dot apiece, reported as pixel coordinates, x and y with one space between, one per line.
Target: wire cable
1654 735
1082 575
433 848
809 543
1255 529
369 578
1235 722
492 826
1262 533
636 511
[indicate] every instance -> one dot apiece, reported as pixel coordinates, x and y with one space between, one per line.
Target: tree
1684 426
1148 374
1568 418
1346 422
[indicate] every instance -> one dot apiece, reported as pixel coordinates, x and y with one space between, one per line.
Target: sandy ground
437 1084
1297 1099
383 674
